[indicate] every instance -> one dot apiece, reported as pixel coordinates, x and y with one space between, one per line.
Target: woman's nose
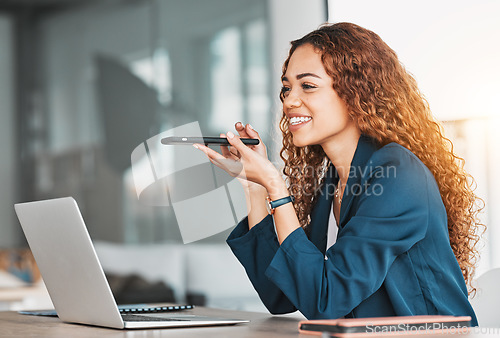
292 100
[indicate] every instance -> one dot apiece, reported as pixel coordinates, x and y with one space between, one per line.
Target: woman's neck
341 151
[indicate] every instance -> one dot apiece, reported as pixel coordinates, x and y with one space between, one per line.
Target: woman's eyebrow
302 75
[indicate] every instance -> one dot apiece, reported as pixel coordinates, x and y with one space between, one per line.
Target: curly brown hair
384 101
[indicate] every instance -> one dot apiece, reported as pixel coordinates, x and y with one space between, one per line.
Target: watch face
268 206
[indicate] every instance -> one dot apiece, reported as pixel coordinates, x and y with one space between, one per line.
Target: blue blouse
392 256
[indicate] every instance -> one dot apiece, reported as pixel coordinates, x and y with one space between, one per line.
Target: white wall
452 49
451 46
289 20
9 229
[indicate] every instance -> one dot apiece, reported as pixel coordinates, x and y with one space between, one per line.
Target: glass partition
116 73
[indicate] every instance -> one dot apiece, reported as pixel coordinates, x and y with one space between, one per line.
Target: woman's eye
284 90
307 86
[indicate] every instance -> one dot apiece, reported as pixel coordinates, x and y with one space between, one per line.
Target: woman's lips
298 122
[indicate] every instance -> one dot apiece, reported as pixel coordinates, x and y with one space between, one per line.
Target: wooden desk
261 325
13 324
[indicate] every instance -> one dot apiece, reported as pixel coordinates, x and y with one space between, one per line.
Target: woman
364 158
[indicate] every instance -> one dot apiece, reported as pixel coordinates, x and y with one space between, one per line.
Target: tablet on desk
383 326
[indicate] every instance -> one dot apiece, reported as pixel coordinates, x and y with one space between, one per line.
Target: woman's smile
298 122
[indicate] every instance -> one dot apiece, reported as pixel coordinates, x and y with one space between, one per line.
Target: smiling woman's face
315 112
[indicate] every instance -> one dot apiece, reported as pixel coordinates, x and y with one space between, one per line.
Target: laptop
73 275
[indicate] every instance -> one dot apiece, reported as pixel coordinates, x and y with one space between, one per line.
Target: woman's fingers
233 167
240 128
252 133
240 160
224 149
237 144
247 131
211 154
229 152
245 162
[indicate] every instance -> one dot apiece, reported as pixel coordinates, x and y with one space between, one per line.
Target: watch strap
279 202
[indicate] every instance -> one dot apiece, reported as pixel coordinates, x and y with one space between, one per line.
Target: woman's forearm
285 218
256 204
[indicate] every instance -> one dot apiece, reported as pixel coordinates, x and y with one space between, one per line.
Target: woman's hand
247 132
251 166
248 163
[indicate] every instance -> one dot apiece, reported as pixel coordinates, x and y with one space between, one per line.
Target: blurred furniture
194 271
487 299
200 274
21 286
16 294
25 298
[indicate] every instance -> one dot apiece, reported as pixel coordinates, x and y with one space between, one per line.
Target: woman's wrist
256 204
276 188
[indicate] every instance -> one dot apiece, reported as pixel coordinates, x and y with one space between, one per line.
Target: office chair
486 302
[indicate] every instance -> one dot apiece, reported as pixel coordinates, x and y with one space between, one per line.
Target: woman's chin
299 143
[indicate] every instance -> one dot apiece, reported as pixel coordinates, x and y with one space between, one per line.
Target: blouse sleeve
391 216
255 249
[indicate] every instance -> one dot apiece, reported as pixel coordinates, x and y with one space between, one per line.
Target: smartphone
175 140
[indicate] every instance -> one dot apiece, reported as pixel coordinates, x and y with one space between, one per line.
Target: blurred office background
83 82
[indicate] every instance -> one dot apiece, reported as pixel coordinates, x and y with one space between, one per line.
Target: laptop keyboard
139 318
156 309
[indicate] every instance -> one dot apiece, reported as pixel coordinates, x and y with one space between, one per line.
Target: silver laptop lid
63 250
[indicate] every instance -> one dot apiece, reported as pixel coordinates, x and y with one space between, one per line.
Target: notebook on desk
65 255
